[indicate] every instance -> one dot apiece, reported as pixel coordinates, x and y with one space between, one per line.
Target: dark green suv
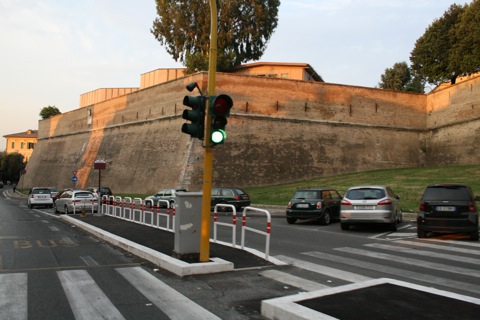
449 208
322 204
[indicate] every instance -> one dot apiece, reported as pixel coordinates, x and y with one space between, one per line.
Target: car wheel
474 235
345 226
291 220
421 233
65 209
400 217
55 209
326 218
393 225
148 205
30 206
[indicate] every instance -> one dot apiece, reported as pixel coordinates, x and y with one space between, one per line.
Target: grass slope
409 183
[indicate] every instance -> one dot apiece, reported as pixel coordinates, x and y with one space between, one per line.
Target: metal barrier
233 225
266 233
138 210
135 211
82 206
127 208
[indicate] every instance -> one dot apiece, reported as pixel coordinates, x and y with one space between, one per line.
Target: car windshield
306 194
83 195
365 194
446 193
41 191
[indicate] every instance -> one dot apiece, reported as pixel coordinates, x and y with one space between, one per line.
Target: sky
52 51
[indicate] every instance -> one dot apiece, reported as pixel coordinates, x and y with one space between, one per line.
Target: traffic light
196 116
219 111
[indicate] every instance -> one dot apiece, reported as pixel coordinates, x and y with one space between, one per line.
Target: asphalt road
43 259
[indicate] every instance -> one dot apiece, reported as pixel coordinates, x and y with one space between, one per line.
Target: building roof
308 68
27 134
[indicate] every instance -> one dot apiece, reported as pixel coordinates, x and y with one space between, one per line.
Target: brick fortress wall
279 130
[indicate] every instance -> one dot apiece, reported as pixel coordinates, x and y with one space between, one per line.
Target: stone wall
279 130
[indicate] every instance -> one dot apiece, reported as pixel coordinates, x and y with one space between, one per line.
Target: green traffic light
218 136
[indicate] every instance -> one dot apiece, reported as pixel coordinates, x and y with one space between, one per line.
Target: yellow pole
208 154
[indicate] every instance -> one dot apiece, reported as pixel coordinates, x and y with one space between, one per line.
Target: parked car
39 197
103 191
230 195
370 204
72 201
163 194
53 192
55 198
314 203
449 208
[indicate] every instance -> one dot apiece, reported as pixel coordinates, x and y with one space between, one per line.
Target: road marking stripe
434 246
86 299
331 272
396 272
424 253
53 228
89 261
13 293
291 280
460 243
410 261
171 302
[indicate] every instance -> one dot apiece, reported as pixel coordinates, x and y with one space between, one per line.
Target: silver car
39 197
370 204
75 201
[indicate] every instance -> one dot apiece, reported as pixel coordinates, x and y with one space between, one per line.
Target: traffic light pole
208 154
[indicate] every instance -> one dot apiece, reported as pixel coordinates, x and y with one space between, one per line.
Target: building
23 143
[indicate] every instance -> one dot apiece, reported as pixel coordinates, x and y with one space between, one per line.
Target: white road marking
13 296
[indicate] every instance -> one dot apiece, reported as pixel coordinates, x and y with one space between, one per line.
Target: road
50 270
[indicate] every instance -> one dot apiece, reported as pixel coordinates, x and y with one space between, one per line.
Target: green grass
408 183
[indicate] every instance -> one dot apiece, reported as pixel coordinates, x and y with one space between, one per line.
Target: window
31 145
22 145
13 144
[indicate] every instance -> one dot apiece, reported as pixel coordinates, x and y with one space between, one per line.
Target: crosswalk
448 264
87 300
443 264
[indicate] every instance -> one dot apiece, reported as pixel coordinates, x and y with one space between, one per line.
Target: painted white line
331 272
291 280
53 228
13 293
424 253
397 272
89 261
171 302
86 299
420 263
434 246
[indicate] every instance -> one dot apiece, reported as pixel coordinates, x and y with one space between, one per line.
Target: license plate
445 209
302 205
364 207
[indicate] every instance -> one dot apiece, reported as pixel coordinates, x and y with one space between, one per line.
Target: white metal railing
266 233
232 225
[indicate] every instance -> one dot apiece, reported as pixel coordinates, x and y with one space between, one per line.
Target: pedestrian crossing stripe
13 296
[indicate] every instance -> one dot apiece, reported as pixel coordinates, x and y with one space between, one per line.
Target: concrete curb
171 264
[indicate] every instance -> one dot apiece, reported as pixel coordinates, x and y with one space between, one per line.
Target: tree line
449 48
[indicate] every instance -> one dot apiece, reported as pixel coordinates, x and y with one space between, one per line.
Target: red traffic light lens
221 105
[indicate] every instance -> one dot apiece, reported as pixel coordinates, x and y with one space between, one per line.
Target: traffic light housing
196 116
219 111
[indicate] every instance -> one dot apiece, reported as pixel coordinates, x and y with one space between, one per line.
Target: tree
244 28
10 166
48 112
400 78
434 57
468 35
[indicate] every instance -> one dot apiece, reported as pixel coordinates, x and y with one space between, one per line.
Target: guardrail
266 233
136 211
233 225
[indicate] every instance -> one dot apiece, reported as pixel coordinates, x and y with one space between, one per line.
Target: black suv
230 195
314 203
448 208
